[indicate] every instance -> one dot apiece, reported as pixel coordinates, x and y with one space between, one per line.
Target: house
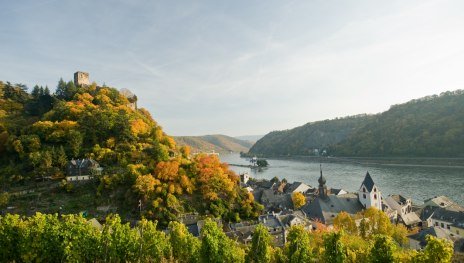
275 227
275 202
403 207
295 218
195 227
446 217
244 178
400 203
425 214
296 187
84 169
458 229
438 201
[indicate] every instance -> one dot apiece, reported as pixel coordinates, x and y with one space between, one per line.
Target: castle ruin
81 78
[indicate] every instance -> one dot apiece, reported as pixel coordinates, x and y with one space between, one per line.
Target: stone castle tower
81 78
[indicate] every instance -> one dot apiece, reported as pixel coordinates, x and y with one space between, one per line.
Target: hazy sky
240 67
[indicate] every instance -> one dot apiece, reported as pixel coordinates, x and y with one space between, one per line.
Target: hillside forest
427 127
40 132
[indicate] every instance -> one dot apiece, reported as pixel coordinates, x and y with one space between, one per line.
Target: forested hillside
305 139
432 126
217 143
40 132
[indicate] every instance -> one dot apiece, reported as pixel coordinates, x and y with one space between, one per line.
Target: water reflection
417 182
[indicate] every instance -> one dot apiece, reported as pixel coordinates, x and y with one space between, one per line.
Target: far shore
438 162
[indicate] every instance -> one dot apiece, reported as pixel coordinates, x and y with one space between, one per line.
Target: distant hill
250 138
305 139
218 143
432 126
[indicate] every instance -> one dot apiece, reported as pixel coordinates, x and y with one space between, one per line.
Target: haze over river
417 182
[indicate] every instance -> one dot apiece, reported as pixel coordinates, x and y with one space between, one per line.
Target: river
417 182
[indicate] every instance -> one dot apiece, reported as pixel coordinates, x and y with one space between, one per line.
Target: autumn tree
343 221
298 200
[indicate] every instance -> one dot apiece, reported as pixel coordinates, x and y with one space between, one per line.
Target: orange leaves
138 126
215 180
167 171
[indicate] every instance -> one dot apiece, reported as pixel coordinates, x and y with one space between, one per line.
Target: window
364 196
375 196
375 189
364 189
448 226
442 225
436 223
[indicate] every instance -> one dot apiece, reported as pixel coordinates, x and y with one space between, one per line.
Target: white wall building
369 195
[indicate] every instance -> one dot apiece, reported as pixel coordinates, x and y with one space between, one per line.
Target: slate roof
326 209
426 212
399 199
442 201
368 182
271 221
290 188
433 231
410 219
453 213
272 200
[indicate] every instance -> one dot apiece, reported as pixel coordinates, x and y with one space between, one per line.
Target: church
326 206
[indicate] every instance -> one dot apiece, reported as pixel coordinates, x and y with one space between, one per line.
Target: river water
417 182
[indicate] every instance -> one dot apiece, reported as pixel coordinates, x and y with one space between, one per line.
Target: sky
240 67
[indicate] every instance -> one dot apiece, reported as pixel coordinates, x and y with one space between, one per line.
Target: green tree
216 247
334 250
185 247
383 249
154 245
437 251
261 250
75 140
298 248
10 238
60 157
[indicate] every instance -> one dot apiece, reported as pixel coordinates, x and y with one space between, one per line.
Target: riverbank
387 161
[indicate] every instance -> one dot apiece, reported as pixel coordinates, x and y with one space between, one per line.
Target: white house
368 194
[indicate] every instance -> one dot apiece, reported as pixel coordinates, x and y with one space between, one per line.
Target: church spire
321 180
322 187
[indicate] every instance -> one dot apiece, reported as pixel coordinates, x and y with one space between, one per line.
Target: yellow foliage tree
298 199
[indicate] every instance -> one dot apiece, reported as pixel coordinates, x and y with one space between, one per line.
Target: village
438 216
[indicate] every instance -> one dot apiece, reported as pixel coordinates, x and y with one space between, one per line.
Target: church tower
322 187
369 194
